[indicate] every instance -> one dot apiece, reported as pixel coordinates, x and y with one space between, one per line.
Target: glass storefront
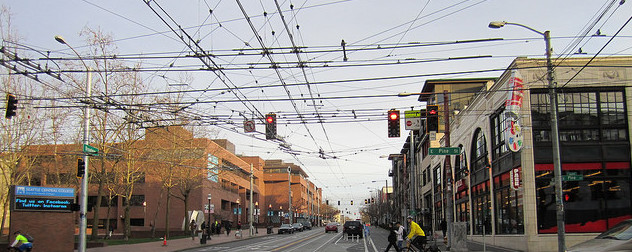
595 155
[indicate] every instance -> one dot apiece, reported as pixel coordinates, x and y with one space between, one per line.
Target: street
309 240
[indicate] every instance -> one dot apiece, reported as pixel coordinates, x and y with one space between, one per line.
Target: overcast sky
391 47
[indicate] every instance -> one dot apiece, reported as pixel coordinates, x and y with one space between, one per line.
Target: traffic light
372 200
432 118
366 201
12 106
352 202
339 202
81 168
393 123
327 202
271 128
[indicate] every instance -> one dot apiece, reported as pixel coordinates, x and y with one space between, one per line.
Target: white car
618 238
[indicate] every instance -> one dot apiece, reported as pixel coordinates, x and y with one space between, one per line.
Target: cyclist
25 244
417 233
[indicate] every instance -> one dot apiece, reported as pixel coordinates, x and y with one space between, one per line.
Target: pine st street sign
444 151
90 150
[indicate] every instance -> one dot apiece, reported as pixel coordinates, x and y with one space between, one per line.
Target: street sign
249 126
572 176
413 119
90 150
444 151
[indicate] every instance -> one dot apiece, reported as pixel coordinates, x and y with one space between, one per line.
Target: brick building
168 160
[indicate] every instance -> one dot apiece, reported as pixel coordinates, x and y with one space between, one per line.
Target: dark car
618 238
331 227
307 225
286 229
298 227
353 228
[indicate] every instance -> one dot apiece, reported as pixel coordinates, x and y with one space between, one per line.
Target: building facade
203 177
502 179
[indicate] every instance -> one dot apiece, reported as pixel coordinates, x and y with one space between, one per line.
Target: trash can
269 229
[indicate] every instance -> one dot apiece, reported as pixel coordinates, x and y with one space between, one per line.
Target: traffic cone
164 241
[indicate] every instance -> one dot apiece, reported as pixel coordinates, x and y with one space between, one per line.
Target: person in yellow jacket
24 243
416 234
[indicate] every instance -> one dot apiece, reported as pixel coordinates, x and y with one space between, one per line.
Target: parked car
618 238
298 227
353 228
286 229
331 226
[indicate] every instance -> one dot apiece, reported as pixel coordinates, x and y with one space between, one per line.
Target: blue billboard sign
39 191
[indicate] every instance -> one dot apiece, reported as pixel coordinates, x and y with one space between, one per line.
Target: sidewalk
179 244
472 246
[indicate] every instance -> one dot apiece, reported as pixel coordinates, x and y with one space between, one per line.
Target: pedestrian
392 238
400 234
193 228
218 228
110 229
444 229
227 227
204 228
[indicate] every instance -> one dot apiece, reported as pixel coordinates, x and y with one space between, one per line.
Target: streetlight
238 212
269 213
557 167
83 205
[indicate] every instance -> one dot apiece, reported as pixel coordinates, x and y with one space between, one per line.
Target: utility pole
448 168
251 199
289 193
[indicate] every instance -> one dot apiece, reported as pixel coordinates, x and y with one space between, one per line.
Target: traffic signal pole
448 169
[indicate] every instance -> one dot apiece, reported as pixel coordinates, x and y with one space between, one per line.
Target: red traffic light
432 110
270 119
393 115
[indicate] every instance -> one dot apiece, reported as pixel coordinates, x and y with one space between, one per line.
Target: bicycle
424 247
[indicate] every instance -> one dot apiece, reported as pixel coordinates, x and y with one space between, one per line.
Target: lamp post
238 212
83 205
557 165
289 193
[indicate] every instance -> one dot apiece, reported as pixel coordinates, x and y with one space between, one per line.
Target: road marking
366 249
295 242
373 244
328 242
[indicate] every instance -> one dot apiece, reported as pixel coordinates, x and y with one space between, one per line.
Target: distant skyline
390 47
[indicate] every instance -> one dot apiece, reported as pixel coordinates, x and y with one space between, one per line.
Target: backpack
28 237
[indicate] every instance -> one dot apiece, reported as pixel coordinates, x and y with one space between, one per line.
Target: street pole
289 193
83 205
388 205
448 168
209 210
557 163
555 140
251 199
412 175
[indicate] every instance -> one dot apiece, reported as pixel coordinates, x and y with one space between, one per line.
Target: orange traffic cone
164 241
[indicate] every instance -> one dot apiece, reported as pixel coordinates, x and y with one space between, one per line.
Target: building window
137 222
135 200
481 209
594 149
508 206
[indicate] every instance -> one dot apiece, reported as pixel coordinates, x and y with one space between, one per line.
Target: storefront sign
514 178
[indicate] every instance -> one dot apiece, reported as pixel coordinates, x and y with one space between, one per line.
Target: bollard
164 241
